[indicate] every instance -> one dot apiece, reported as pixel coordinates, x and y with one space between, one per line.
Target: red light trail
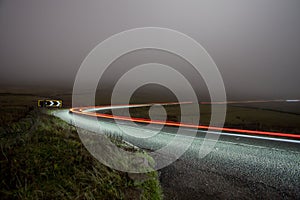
85 111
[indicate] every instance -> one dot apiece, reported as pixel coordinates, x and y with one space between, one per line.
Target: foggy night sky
255 43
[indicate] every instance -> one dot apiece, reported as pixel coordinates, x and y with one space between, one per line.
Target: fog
255 44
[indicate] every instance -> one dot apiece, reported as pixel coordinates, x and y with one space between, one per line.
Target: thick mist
255 44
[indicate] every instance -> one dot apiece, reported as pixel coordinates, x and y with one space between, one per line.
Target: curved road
247 166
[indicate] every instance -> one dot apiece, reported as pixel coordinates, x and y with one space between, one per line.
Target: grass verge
42 157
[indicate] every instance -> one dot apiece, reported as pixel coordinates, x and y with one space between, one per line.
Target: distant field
13 107
293 107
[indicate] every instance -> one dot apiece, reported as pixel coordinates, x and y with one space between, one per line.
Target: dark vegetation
42 157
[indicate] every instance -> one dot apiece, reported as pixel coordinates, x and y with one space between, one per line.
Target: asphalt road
236 168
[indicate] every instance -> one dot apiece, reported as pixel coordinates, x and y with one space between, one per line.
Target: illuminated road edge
275 136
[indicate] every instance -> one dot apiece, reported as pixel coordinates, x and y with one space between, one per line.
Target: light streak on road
293 100
91 111
253 101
